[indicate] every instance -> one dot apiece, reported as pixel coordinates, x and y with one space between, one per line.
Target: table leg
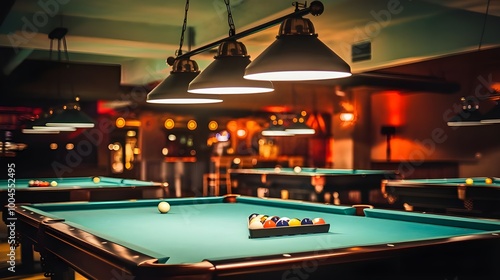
27 254
55 268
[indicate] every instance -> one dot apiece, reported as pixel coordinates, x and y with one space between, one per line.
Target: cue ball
469 181
96 180
53 183
488 181
297 169
163 207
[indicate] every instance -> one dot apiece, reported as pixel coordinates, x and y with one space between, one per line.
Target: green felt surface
207 228
477 181
77 182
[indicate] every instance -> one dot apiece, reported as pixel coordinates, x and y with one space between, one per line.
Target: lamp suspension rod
315 8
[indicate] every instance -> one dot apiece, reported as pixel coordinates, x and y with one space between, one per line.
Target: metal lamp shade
467 118
300 128
71 117
173 90
297 55
225 74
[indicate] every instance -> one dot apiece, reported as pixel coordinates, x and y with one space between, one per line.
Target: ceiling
123 44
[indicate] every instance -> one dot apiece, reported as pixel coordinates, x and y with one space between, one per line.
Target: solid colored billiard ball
488 181
318 221
306 221
96 180
469 181
294 222
269 224
163 207
53 183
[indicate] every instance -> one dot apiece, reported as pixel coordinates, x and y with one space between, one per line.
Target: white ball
163 207
255 224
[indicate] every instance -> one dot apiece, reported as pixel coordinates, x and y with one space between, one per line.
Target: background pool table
336 186
449 195
208 238
95 188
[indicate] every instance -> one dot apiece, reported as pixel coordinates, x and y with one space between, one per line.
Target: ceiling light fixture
299 127
173 90
71 115
276 128
40 124
298 124
328 62
469 116
297 54
225 74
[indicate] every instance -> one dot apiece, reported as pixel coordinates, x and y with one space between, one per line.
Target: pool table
449 195
94 188
335 186
208 238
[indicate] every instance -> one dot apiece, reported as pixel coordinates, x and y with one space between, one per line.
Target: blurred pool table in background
336 186
208 238
478 197
94 188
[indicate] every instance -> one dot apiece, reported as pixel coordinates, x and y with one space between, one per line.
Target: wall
420 118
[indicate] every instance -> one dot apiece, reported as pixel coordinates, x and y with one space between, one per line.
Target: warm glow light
131 133
395 108
297 76
347 116
191 125
120 122
231 90
164 151
70 146
213 125
169 124
172 137
241 133
53 146
133 123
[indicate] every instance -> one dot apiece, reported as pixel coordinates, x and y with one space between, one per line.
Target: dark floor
19 273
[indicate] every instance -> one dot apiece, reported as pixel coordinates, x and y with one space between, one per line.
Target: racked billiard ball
269 224
318 221
255 224
273 218
253 215
306 221
282 222
294 222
